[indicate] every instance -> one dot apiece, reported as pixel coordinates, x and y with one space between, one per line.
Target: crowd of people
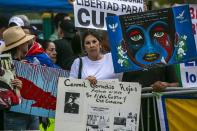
87 56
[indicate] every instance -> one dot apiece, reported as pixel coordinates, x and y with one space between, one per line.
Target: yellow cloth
181 114
51 127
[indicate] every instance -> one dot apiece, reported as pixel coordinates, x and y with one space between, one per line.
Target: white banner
189 69
109 106
189 74
92 13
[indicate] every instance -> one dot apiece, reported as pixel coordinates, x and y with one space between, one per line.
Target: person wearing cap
16 43
19 20
71 106
36 53
23 21
65 54
16 21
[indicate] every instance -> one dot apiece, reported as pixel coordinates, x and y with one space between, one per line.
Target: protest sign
188 70
92 13
39 89
151 39
108 106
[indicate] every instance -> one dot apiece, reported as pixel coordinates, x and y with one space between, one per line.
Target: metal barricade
149 118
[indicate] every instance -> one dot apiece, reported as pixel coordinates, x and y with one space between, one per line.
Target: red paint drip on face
166 44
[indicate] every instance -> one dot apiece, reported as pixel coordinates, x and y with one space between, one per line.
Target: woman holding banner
95 65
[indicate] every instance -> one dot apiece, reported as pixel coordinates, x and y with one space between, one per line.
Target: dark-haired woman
96 65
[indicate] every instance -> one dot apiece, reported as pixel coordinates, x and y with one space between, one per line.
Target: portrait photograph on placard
71 103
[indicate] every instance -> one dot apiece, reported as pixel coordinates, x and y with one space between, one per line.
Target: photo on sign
126 122
98 119
71 103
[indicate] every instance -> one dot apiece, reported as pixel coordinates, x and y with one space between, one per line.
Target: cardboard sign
108 106
92 13
150 39
188 72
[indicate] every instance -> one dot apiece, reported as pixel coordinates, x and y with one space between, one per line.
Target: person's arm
18 85
160 86
171 79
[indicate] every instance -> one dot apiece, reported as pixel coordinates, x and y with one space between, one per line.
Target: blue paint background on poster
115 39
183 27
116 36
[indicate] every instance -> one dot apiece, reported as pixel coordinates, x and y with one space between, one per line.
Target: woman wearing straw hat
16 43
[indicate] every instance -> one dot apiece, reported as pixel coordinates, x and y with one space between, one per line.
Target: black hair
93 33
67 26
76 44
12 24
3 22
11 51
59 17
45 43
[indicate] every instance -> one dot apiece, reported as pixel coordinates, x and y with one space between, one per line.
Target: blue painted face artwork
150 45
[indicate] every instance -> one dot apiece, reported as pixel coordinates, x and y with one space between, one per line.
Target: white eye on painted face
136 37
159 34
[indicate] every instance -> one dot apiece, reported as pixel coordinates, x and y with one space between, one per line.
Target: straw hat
15 36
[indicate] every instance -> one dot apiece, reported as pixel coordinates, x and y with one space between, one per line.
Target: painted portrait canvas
151 39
